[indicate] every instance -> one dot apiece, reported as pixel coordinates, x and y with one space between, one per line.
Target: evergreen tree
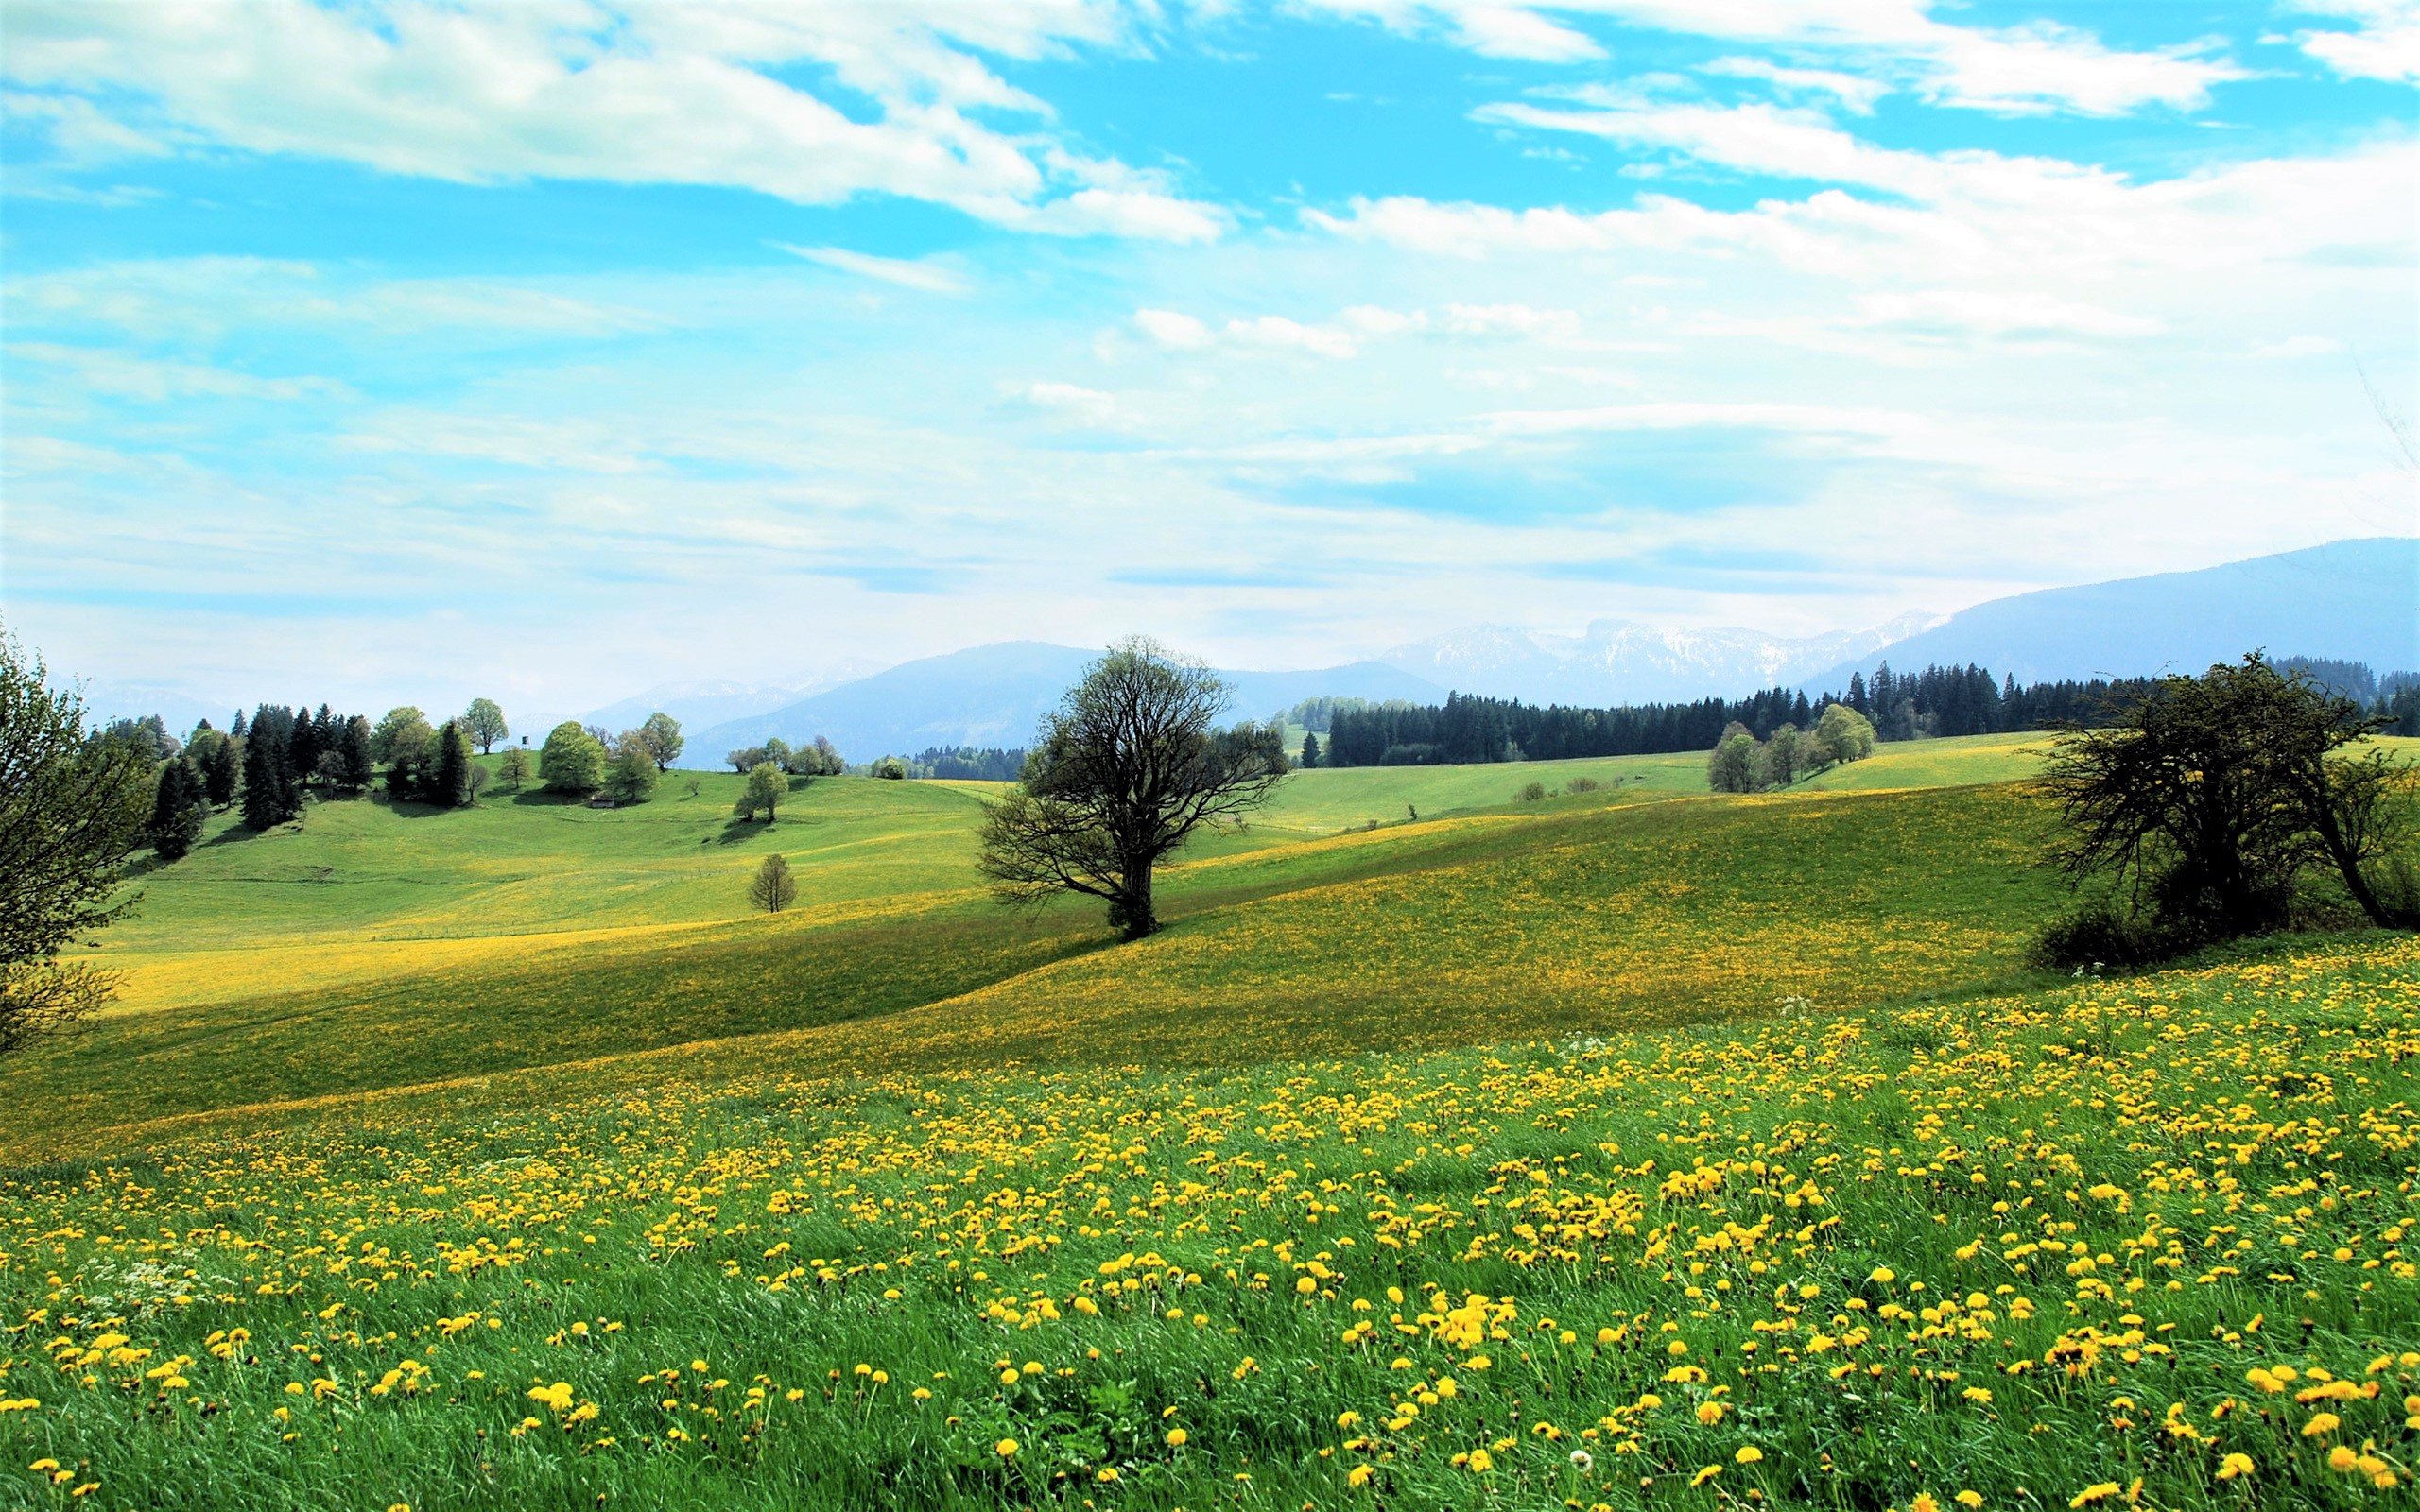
303 747
179 809
352 743
239 730
269 780
1311 750
448 785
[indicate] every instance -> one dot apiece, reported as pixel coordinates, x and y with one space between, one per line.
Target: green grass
1580 915
2002 1247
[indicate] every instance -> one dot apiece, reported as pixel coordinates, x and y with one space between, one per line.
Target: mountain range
994 695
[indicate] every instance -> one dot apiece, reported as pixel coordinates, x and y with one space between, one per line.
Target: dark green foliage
70 809
219 762
890 769
353 744
180 807
1311 751
448 784
1124 770
272 789
630 776
1732 766
302 745
2211 800
149 736
661 736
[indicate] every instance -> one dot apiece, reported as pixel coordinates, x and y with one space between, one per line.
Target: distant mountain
1617 661
713 702
2359 600
994 695
106 700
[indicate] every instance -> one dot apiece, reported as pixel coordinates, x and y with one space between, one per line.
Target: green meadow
1634 1146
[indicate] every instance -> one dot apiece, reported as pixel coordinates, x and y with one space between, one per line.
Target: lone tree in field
1119 775
2208 801
515 766
661 736
572 761
773 888
69 810
484 723
767 789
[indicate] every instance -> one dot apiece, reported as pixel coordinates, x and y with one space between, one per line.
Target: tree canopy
71 807
2211 800
1128 766
484 723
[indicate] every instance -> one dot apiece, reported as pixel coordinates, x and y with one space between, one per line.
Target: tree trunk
1133 913
2348 866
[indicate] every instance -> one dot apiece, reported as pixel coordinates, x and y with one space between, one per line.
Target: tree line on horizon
1936 701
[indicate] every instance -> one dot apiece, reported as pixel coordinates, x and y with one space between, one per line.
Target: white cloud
2039 66
123 375
1074 401
1171 328
908 273
2385 43
2297 347
635 92
1998 313
1856 94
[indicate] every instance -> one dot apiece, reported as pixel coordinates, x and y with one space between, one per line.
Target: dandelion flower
2235 1464
1005 1448
1749 1454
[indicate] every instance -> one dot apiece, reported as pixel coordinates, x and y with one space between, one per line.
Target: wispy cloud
908 273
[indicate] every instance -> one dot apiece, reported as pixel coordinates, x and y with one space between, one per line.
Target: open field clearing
2130 1237
1592 913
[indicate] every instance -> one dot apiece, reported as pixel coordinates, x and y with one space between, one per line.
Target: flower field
2137 1241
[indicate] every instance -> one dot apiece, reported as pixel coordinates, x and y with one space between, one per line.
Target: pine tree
449 783
353 742
1311 750
239 730
222 768
267 779
179 809
303 747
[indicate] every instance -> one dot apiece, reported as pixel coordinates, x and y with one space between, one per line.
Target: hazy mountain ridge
995 695
2359 600
1617 661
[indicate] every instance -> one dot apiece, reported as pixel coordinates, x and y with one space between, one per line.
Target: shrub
1581 784
1531 792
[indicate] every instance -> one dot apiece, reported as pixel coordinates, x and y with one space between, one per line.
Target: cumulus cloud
2384 43
630 92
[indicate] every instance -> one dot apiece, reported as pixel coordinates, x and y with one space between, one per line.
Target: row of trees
1742 763
817 760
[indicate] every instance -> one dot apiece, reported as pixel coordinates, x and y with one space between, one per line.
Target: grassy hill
379 945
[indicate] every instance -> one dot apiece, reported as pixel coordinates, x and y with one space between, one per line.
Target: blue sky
556 349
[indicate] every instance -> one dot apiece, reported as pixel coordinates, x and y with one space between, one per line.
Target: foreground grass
2047 1249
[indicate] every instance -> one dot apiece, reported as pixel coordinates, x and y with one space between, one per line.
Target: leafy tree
663 739
777 750
773 888
890 769
745 759
148 735
1842 734
70 809
828 758
572 761
484 723
1783 763
516 767
448 784
1732 766
411 758
767 789
217 762
1311 751
382 739
1123 771
632 775
2206 801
